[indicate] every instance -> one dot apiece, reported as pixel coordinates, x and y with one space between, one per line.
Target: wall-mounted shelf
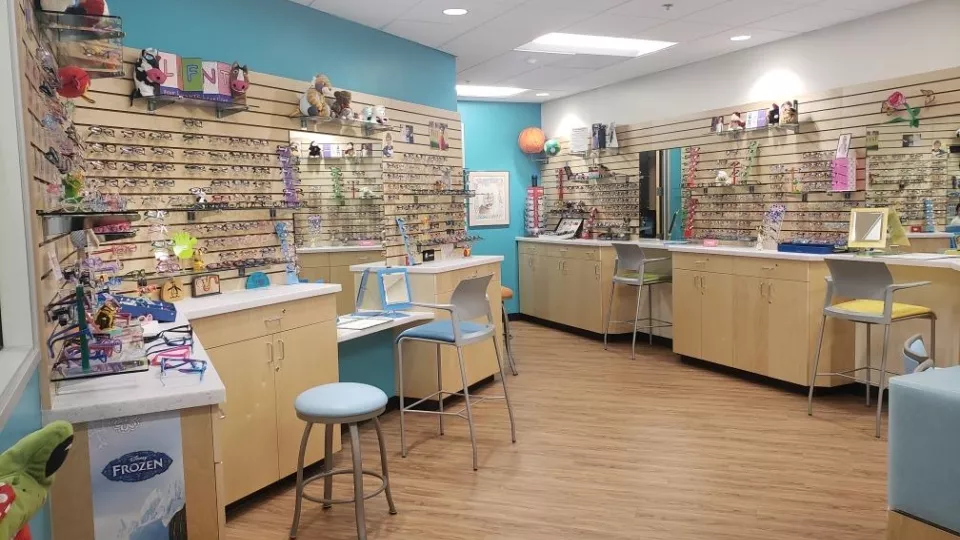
60 223
368 127
597 152
792 128
222 109
86 41
70 27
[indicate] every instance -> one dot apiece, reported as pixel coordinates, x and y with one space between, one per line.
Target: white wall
916 39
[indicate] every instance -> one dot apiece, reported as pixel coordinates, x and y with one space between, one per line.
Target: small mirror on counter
394 289
868 228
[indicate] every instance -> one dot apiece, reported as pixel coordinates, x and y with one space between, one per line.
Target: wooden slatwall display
606 180
435 220
350 213
786 159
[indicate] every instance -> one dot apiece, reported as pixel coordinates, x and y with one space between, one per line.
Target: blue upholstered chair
341 403
469 301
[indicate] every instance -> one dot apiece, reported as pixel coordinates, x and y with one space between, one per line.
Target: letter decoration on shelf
162 74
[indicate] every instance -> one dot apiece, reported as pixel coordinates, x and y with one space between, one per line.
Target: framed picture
491 205
206 285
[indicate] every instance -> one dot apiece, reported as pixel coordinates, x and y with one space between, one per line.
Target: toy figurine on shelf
74 83
314 101
147 75
736 122
341 107
89 7
773 115
380 115
198 264
788 114
315 150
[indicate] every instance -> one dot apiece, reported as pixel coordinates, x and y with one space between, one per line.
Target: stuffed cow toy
26 473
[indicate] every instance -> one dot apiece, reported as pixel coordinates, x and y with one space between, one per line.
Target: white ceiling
484 39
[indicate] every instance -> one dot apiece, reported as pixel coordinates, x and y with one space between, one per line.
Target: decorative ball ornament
552 147
531 140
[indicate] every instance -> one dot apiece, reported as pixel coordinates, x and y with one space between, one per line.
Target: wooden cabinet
755 314
259 430
570 285
334 267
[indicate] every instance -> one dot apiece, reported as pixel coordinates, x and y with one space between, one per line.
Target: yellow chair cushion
647 277
875 307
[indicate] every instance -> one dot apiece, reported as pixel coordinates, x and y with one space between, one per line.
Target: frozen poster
136 474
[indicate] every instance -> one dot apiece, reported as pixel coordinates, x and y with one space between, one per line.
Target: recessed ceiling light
469 90
543 94
740 38
455 11
557 43
531 60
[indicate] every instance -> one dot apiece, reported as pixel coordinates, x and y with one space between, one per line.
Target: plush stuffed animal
315 150
314 101
736 122
74 83
147 75
89 7
26 473
773 115
341 108
380 114
788 114
368 115
239 80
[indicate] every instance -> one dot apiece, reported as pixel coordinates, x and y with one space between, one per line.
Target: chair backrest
861 280
470 298
630 257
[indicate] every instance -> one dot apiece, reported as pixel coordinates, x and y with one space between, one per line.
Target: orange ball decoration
531 140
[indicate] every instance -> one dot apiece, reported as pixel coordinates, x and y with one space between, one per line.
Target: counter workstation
758 311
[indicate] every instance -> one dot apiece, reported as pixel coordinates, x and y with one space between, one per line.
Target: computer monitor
868 228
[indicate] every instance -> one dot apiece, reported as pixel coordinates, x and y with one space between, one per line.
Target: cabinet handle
699 263
223 415
768 268
703 285
596 271
761 289
283 354
769 293
564 250
273 320
270 350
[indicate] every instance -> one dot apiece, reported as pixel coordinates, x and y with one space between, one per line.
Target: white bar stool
871 284
630 270
506 293
469 301
341 403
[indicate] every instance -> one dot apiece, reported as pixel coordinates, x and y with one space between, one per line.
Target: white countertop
737 251
118 396
924 260
337 249
198 308
645 242
930 235
438 267
411 317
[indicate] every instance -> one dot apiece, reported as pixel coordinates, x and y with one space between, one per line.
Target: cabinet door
582 289
788 315
717 318
687 300
556 303
306 357
346 298
750 324
316 274
528 291
541 286
248 430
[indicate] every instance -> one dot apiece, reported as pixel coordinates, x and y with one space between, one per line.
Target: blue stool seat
443 331
339 401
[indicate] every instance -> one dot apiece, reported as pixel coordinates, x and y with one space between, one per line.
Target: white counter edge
337 249
438 267
645 243
228 302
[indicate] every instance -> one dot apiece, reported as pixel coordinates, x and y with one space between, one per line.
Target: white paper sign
579 139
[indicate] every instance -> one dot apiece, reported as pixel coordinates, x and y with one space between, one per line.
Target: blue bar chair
469 301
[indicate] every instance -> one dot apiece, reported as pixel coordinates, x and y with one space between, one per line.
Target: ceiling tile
591 6
586 61
740 12
509 64
373 13
871 6
683 31
545 77
611 24
808 19
428 33
654 8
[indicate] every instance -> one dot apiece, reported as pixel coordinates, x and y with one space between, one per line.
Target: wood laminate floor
611 448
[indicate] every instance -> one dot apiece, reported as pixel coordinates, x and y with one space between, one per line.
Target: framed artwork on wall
491 205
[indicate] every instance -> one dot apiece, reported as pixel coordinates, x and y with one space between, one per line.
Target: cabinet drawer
718 264
771 269
448 281
530 248
308 311
257 322
574 252
314 260
348 258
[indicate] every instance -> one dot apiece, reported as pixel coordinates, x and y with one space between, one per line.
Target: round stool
341 403
506 293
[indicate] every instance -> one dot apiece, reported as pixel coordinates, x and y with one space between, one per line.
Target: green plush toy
26 474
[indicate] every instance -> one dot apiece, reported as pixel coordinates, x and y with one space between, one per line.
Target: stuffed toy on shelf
341 106
314 101
26 474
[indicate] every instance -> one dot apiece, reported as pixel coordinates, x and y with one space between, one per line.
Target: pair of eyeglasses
192 122
177 332
184 365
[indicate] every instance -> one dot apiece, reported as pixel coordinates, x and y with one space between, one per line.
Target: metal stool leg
933 338
883 375
466 400
816 367
869 358
383 466
439 387
649 312
606 330
328 463
636 316
506 396
403 435
358 482
299 499
507 336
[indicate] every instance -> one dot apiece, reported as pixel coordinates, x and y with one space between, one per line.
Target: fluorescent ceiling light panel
740 38
558 43
455 11
469 90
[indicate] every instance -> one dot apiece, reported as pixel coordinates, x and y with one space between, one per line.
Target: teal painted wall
369 360
24 420
490 132
283 38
